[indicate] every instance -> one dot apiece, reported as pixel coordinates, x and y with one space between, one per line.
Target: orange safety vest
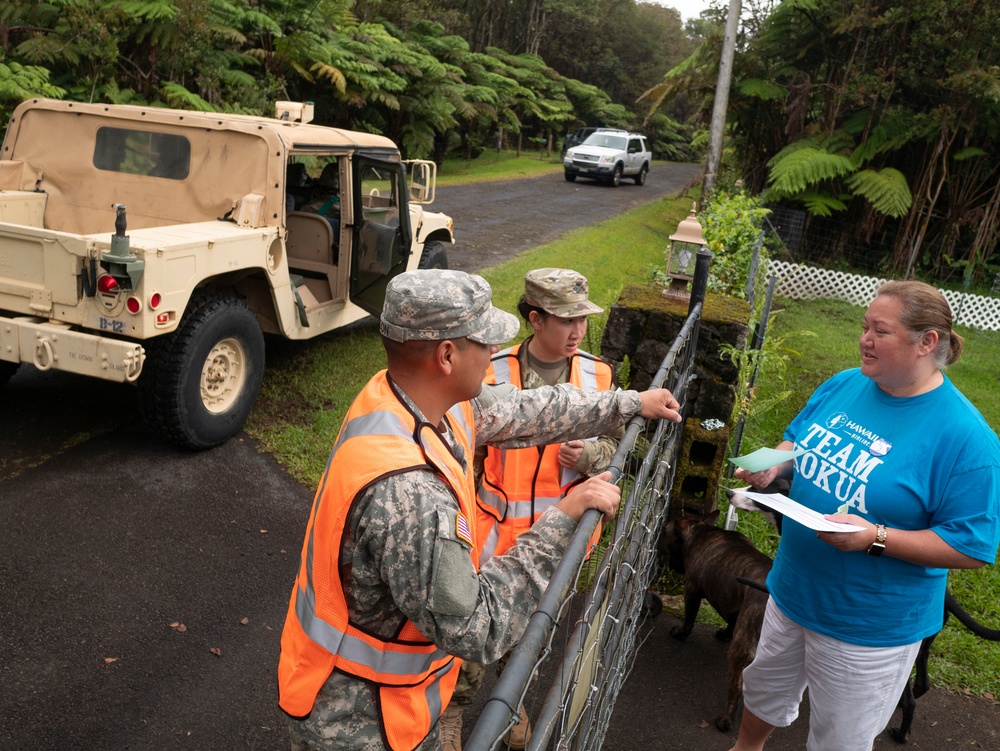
380 437
518 485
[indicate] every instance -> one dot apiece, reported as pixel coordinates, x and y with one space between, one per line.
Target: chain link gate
583 638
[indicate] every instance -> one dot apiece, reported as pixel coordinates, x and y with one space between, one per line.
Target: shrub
732 226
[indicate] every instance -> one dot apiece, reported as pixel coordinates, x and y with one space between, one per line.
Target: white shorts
853 690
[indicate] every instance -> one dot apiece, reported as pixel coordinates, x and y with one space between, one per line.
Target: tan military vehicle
156 247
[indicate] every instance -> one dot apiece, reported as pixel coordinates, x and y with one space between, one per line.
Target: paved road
494 224
144 587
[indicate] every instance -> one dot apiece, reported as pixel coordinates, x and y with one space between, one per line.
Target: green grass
820 338
493 166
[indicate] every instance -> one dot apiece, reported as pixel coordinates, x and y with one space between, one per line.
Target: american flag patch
462 531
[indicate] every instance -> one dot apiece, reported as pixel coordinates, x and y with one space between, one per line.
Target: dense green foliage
732 226
886 111
479 70
882 114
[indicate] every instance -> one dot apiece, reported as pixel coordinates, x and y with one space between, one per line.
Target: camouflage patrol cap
561 292
436 304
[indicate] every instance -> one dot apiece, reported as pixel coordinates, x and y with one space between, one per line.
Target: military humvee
156 246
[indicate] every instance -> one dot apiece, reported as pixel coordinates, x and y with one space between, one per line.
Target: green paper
765 458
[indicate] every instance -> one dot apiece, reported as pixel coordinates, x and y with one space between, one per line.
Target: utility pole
721 103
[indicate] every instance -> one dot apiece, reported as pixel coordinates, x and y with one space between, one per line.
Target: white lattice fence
801 282
975 311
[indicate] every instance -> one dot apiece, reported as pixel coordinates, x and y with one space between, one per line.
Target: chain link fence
580 644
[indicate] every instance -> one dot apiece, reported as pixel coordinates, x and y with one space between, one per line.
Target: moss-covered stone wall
643 325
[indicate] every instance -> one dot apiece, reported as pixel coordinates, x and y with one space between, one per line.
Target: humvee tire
199 383
434 256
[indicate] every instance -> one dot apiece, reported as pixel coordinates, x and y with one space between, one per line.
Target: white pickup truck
155 247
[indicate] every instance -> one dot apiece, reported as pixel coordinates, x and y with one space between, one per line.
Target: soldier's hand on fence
594 492
659 404
570 453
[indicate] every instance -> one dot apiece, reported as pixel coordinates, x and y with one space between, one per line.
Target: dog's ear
711 518
743 503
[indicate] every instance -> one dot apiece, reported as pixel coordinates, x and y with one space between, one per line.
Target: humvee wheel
223 376
7 369
434 256
199 383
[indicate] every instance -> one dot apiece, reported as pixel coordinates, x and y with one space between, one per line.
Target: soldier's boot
517 737
451 728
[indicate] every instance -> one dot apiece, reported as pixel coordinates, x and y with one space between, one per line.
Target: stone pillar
643 325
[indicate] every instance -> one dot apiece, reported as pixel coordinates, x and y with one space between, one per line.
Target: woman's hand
847 542
765 477
923 547
570 453
757 480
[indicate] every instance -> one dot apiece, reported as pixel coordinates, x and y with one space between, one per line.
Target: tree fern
179 97
896 128
19 82
761 89
821 204
794 171
969 153
886 190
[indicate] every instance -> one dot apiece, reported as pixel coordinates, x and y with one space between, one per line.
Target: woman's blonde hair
925 309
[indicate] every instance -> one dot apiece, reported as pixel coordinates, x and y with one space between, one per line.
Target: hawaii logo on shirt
875 443
841 456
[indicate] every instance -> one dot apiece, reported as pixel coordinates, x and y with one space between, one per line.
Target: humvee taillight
107 285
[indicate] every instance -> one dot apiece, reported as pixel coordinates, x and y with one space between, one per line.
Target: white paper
798 512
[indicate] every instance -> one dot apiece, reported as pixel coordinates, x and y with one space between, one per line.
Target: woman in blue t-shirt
894 448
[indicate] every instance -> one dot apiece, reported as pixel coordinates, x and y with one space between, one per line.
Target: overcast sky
687 8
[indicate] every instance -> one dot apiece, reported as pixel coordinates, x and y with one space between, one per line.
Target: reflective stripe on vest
538 480
380 436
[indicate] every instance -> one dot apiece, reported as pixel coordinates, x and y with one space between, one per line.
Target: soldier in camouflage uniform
555 306
405 557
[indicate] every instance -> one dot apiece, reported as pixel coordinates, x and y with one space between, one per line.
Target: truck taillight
154 301
107 285
133 305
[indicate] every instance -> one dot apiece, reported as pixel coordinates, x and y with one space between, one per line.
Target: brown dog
711 560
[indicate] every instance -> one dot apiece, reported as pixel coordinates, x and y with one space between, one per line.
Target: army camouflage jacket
597 454
406 561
